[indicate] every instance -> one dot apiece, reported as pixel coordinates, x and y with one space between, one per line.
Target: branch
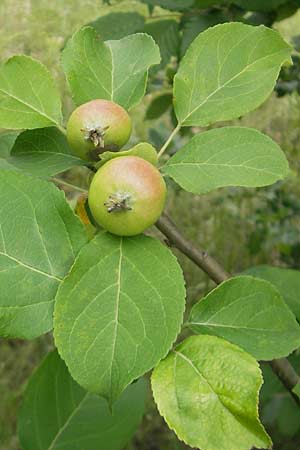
287 375
281 367
198 256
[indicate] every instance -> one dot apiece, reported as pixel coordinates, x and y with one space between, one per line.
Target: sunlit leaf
39 240
228 156
251 313
207 391
118 312
112 70
28 95
228 70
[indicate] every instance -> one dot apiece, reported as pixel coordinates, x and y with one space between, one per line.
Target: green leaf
57 413
7 140
296 390
118 311
117 25
143 150
28 95
228 71
207 3
207 391
114 70
229 156
39 240
172 5
287 281
166 35
250 313
41 140
193 25
260 5
42 152
159 106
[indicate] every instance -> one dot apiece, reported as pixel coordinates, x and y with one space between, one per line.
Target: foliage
119 302
189 380
69 413
220 314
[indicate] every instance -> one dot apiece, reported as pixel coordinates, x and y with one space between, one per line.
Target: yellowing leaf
207 391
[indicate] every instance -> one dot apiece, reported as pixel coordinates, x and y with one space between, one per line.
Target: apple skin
139 183
102 115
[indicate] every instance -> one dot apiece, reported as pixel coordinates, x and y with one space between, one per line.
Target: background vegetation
241 228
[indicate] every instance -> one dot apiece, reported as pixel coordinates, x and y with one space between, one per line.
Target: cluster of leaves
118 303
274 226
175 32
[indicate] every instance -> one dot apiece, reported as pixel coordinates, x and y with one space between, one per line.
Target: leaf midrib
32 268
9 94
238 327
61 430
221 165
117 312
219 88
181 355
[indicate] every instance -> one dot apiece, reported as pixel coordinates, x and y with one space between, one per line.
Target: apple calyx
118 202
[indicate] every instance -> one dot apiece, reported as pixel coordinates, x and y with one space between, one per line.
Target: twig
71 186
281 367
198 256
61 129
287 375
168 141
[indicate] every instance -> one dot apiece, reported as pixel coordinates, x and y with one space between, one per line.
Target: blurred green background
240 227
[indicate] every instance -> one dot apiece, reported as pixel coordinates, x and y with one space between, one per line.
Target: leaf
41 140
114 70
287 281
39 240
259 5
143 150
118 311
250 313
296 390
193 25
228 156
166 35
117 25
207 391
56 413
172 5
42 152
159 106
7 140
207 3
28 95
228 71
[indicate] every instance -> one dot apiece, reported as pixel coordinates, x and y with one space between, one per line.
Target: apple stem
168 141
